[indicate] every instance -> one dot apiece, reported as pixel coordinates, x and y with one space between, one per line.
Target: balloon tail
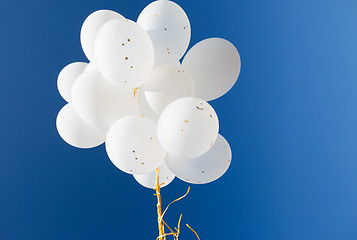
193 231
135 91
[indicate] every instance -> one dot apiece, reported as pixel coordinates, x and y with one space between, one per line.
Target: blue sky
291 121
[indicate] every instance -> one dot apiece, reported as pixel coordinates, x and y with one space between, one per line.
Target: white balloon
75 131
67 76
164 85
90 28
100 102
169 29
91 66
188 127
124 53
214 65
149 180
203 169
132 145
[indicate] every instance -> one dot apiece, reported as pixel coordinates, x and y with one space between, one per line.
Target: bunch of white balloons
149 109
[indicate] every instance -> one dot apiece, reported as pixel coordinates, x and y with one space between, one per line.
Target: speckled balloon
132 145
169 29
188 127
124 53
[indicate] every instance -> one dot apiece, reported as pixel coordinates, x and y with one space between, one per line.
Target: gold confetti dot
131 66
203 171
122 44
186 121
128 39
181 130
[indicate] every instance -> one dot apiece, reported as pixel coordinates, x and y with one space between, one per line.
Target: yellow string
160 215
188 190
193 231
169 228
162 235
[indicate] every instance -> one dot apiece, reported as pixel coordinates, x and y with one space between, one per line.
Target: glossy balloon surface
75 131
205 168
188 127
100 102
133 147
124 53
214 65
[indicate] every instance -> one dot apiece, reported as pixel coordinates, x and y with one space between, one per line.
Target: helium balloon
67 77
214 65
91 66
90 28
100 102
205 168
169 29
164 85
124 53
75 131
187 127
149 180
133 147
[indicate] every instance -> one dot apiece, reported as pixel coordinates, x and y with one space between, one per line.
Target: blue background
291 120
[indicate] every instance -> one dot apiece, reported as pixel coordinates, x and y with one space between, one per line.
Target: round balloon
149 180
75 131
124 53
91 66
67 77
187 127
100 102
90 28
203 169
133 147
169 29
164 85
214 65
